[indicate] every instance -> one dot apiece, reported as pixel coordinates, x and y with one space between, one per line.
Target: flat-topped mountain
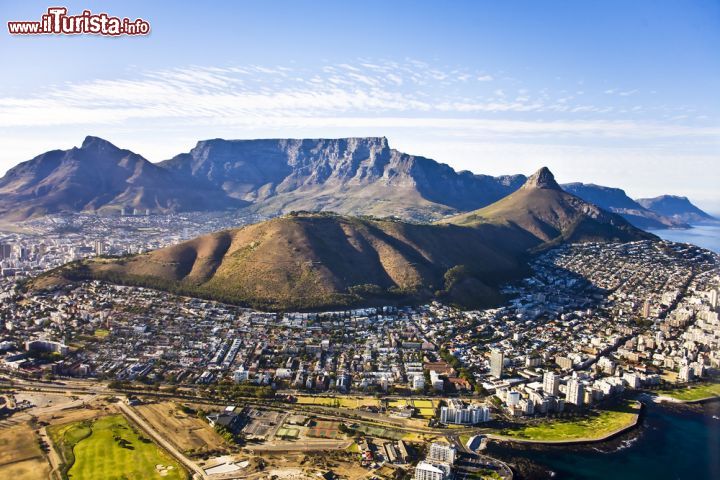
357 176
551 215
320 261
677 208
617 201
95 177
351 176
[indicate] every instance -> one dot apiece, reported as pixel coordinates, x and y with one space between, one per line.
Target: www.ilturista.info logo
57 22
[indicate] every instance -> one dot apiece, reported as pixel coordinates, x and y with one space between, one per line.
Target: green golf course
110 448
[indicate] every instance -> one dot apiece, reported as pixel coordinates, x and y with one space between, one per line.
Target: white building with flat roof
575 392
442 453
458 413
432 471
551 383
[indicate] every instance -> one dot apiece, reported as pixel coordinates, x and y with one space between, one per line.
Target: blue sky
620 93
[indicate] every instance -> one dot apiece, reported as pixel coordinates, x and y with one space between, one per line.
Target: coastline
704 235
665 396
677 401
579 441
666 428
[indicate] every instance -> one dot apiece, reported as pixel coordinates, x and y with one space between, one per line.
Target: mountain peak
543 178
97 143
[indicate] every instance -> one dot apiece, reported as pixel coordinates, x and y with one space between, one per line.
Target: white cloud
158 113
202 93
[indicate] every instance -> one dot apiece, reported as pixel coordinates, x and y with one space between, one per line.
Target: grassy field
381 432
693 393
399 403
338 402
188 433
596 425
20 454
425 408
288 433
110 448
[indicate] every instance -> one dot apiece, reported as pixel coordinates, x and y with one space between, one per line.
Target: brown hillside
551 215
319 261
322 260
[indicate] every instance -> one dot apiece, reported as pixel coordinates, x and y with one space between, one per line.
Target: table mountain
677 208
616 200
356 176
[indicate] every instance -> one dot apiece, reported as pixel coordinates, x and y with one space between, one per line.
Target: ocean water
706 236
671 443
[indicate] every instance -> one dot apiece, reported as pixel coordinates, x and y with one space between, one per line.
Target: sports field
110 448
288 433
425 408
594 426
338 402
375 431
324 429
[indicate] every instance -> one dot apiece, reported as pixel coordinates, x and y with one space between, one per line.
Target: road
476 461
471 462
301 446
52 454
192 466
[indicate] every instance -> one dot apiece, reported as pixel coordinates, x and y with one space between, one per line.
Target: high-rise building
432 471
5 250
646 309
685 374
99 247
551 383
497 358
441 453
457 413
564 363
575 392
713 298
513 398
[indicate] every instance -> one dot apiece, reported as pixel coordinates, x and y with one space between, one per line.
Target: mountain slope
354 176
311 261
677 208
616 200
550 215
320 260
96 176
